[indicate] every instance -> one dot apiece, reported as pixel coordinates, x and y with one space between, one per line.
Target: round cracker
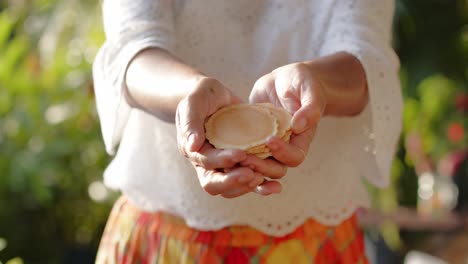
284 118
240 126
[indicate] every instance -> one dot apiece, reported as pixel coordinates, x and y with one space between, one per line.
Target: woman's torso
237 42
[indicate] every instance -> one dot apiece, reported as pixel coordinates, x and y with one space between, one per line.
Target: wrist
156 81
343 81
320 87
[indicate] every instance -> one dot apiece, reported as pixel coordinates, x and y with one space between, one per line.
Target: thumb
192 115
262 91
190 128
236 100
312 107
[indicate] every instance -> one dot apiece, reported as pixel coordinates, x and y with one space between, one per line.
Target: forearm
157 81
343 79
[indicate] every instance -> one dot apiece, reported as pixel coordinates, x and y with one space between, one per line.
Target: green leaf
437 94
16 260
3 244
411 114
6 27
391 235
16 49
5 102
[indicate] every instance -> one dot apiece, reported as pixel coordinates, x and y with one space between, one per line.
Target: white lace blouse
237 42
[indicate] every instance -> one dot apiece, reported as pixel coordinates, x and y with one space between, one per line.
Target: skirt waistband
238 236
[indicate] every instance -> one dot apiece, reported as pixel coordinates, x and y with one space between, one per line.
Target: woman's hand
332 85
218 171
295 88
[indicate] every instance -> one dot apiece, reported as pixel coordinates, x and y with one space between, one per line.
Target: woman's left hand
296 88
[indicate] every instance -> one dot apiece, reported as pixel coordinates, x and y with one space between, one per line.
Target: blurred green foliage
431 39
50 145
51 152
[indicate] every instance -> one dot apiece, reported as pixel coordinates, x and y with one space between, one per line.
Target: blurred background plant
431 39
52 202
53 205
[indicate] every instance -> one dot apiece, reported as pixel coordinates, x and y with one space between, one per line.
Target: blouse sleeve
363 29
130 26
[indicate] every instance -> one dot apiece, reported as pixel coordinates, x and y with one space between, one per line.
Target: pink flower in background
449 164
415 149
414 144
455 132
461 102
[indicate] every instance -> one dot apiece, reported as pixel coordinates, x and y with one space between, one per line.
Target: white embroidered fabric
237 42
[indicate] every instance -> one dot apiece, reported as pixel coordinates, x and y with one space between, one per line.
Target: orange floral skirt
134 236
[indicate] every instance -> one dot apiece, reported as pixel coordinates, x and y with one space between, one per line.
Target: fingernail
261 190
253 184
256 181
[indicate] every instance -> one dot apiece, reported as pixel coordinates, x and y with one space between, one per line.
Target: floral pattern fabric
134 236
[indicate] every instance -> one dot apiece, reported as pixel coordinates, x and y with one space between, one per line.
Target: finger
288 94
286 153
190 119
303 140
192 111
215 182
268 187
237 192
270 168
211 158
291 154
264 91
256 180
313 102
236 100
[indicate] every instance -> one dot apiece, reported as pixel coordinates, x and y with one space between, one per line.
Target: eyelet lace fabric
237 42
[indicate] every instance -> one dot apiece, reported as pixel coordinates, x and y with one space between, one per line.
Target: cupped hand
297 89
218 170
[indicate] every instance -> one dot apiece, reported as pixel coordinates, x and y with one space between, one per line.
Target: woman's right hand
218 170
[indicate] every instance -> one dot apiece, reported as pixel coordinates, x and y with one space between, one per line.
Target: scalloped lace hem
277 229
